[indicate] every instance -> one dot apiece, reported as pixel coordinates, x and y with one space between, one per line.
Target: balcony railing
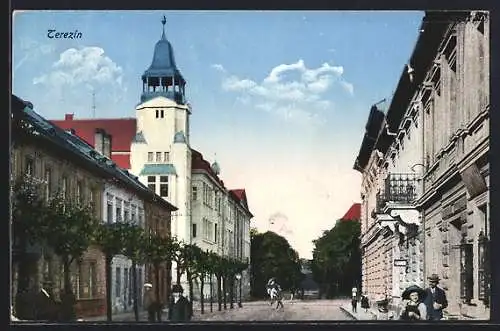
399 188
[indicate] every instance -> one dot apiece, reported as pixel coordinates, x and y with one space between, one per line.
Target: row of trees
272 256
336 263
68 228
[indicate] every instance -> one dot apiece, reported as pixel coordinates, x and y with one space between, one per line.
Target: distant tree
336 264
272 256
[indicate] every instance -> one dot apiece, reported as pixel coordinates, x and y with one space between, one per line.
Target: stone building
67 164
425 170
155 146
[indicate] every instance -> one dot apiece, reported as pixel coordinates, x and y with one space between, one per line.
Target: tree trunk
169 279
109 309
231 293
202 294
23 281
219 294
157 290
224 289
68 300
179 274
211 294
134 290
191 290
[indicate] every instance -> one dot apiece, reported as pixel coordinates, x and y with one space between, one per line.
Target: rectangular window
194 230
158 156
133 214
162 113
79 195
194 193
118 209
466 272
64 187
118 282
157 113
93 279
216 232
152 183
126 211
109 209
150 156
166 157
164 186
30 166
125 284
140 214
48 183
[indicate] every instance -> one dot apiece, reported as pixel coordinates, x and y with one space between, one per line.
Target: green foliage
272 256
336 263
159 249
71 226
134 244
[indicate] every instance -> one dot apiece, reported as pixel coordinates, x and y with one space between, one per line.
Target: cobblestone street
293 311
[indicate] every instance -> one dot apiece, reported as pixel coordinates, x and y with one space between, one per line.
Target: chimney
68 117
99 140
107 145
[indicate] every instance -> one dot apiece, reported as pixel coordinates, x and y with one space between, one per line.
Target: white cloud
302 99
87 66
31 49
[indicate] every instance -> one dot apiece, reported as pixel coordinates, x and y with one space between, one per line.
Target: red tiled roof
240 193
199 163
122 160
122 130
353 214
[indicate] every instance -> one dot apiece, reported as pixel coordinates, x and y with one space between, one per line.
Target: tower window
152 183
157 113
161 112
150 157
158 156
166 157
164 186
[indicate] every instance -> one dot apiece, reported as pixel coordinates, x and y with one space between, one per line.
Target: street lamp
238 277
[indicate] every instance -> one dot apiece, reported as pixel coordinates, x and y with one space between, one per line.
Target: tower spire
163 22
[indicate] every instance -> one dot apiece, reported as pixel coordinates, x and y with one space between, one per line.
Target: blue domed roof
179 137
163 64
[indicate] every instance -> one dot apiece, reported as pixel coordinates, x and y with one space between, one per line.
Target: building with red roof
353 214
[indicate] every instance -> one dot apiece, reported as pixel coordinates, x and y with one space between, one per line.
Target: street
308 310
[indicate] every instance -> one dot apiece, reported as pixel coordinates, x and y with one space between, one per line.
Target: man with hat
149 302
180 309
435 300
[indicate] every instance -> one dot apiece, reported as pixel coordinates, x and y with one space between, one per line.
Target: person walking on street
365 304
435 300
149 302
179 309
354 299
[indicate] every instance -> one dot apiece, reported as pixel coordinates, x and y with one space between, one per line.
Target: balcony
398 189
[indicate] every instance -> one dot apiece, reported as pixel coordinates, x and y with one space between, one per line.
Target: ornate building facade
425 187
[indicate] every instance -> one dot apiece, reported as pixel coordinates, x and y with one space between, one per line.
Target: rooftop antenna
163 22
93 103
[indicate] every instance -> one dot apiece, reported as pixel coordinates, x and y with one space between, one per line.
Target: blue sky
280 98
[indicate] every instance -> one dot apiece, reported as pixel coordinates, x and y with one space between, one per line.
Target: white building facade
121 205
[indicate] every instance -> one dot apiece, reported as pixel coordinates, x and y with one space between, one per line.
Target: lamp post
238 277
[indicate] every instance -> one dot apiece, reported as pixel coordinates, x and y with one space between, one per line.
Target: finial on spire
163 22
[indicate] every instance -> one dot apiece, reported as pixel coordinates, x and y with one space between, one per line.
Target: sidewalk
360 313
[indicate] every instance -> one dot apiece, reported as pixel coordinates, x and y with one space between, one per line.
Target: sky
280 98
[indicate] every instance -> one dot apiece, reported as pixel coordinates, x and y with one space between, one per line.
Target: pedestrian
149 302
413 307
354 303
179 309
365 304
276 294
435 300
354 292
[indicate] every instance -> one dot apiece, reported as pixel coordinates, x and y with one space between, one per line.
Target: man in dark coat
179 309
435 300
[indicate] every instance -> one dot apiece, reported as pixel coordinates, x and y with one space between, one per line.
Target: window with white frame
79 191
118 282
30 166
164 186
118 208
158 156
166 157
140 216
152 183
216 232
64 186
48 183
109 209
126 211
133 213
194 193
150 156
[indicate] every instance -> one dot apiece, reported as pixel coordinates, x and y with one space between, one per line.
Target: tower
160 153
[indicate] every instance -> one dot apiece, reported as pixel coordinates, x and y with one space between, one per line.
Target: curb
348 313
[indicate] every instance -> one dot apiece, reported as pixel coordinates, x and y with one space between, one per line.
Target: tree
28 209
212 261
202 270
219 266
159 250
135 247
72 230
272 256
178 257
111 237
336 263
